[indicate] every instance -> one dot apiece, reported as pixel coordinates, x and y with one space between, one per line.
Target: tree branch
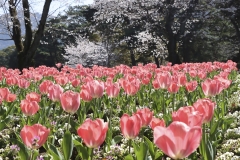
39 32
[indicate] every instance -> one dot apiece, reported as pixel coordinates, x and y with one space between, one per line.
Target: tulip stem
163 101
174 94
31 155
129 145
90 153
68 122
28 121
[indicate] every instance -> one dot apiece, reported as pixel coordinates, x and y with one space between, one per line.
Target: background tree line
139 31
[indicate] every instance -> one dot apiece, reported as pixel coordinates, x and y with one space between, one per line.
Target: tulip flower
85 94
96 88
162 80
225 83
188 115
43 87
54 92
130 86
173 87
75 82
191 86
58 65
206 107
211 87
34 136
23 83
182 78
61 80
11 97
11 81
146 116
33 96
157 122
112 89
4 92
29 108
178 140
70 101
130 126
93 133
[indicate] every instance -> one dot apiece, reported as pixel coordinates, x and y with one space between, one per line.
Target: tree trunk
237 57
173 57
156 61
26 48
172 51
132 58
173 38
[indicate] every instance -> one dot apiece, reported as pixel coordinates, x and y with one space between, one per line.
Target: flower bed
143 112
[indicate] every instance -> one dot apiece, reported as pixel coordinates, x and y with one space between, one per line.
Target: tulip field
185 111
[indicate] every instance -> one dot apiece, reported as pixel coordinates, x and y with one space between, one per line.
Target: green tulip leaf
141 151
23 153
116 139
36 118
2 125
150 147
82 151
55 153
128 157
67 145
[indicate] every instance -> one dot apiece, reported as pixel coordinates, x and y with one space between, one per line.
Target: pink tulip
188 115
191 86
157 122
29 108
23 83
70 101
11 97
131 85
54 92
96 88
61 80
75 82
146 116
85 94
225 83
130 126
112 89
58 65
34 136
43 87
211 87
162 80
93 133
33 96
11 81
178 140
4 92
182 78
205 107
173 87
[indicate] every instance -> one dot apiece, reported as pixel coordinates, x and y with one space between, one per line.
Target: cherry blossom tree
164 19
86 53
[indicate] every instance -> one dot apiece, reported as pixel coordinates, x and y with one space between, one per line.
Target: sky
57 6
